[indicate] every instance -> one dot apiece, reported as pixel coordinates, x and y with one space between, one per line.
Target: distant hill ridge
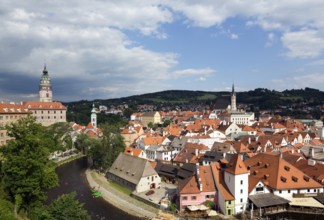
187 96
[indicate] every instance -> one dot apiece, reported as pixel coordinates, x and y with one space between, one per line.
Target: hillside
256 100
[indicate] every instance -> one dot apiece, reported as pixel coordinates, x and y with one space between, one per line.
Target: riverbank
118 198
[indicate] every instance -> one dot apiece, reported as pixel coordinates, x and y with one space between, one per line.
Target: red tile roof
44 105
277 173
236 165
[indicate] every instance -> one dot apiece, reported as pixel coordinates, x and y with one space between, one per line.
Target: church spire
233 99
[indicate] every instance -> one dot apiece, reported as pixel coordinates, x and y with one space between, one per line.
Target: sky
117 48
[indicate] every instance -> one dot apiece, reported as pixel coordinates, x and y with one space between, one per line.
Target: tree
6 210
61 133
105 151
166 123
67 207
27 172
150 125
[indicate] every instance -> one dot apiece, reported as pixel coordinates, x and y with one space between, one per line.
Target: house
133 173
190 154
151 117
230 129
135 152
224 199
270 173
131 133
10 113
197 189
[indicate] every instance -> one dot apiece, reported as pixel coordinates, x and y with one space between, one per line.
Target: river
72 178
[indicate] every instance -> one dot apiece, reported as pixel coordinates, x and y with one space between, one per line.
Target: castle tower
45 87
94 118
233 99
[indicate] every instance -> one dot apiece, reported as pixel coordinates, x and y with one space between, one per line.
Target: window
288 190
259 189
184 198
241 182
308 190
280 191
193 197
241 191
209 196
241 200
229 202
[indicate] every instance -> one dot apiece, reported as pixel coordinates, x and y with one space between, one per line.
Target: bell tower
45 87
94 117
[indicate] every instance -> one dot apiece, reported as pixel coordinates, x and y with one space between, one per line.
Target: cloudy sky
109 49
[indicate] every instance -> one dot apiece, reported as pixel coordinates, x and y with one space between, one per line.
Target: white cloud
304 43
312 80
271 39
316 63
289 17
190 72
234 36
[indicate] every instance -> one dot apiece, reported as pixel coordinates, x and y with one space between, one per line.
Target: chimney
311 162
196 152
311 152
249 140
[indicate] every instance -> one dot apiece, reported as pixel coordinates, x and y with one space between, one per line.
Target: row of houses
262 166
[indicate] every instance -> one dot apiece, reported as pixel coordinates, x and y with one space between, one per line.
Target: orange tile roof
133 151
44 105
219 180
191 185
277 173
236 165
153 140
13 109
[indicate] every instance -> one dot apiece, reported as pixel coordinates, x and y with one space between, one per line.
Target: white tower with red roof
236 177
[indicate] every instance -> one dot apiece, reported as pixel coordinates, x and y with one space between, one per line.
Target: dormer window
283 179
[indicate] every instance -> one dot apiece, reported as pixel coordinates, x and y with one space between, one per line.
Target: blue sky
110 49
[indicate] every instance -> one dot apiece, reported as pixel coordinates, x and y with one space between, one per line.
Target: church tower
45 87
233 99
94 118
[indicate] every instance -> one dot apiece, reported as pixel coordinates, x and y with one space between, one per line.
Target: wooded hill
258 99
